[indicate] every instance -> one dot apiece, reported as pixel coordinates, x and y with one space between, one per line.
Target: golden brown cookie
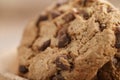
71 41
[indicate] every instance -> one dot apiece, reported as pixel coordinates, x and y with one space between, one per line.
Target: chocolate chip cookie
70 41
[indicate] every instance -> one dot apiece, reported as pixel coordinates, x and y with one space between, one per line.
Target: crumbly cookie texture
71 41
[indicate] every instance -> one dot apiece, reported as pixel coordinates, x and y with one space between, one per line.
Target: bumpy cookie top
70 41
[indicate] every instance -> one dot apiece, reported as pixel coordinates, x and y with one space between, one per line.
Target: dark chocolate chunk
84 2
23 69
57 77
60 64
86 15
69 17
55 14
71 66
95 78
45 45
109 70
117 33
104 76
30 46
104 73
87 1
42 17
63 38
102 26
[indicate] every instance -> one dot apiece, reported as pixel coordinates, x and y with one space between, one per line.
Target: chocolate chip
42 17
62 62
104 76
68 17
45 45
63 38
23 69
57 77
102 26
55 14
95 78
117 33
71 66
84 2
86 15
87 1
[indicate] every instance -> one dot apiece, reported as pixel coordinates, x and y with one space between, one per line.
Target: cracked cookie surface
71 41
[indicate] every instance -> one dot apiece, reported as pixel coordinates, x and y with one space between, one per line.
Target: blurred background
14 16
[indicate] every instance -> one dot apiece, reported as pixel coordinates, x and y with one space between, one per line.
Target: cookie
70 41
111 70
